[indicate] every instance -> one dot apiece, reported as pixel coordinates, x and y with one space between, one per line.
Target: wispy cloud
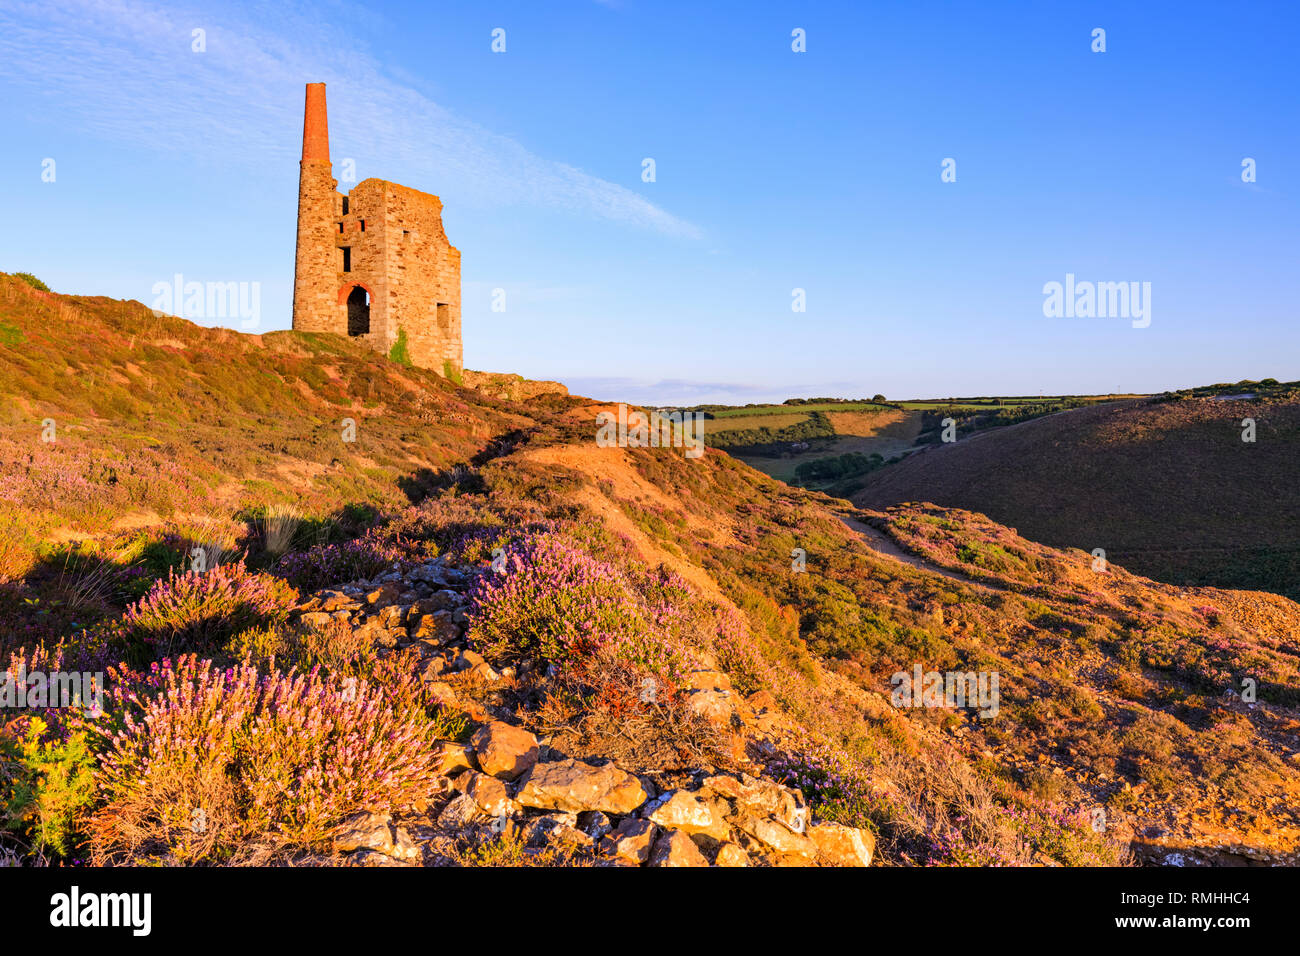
125 70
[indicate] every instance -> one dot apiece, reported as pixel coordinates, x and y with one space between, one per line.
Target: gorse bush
194 611
199 763
46 784
32 281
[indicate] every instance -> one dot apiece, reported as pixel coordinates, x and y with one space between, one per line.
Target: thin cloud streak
124 70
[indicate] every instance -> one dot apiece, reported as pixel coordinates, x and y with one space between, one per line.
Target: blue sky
775 170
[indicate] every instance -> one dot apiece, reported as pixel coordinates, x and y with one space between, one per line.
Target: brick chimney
316 262
315 126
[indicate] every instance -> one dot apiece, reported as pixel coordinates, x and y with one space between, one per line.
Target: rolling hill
1167 488
561 652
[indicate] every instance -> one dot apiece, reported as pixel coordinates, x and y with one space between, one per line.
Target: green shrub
399 353
32 281
773 440
44 785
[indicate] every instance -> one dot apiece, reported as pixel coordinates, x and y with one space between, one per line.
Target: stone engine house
374 262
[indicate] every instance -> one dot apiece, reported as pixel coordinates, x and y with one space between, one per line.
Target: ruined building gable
374 262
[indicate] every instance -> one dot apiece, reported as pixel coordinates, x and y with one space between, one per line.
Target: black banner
145 906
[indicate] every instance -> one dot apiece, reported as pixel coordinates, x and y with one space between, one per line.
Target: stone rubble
505 782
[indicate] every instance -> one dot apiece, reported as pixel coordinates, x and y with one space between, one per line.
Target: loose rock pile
504 783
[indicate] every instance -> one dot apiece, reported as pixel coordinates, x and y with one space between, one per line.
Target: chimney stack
316 262
315 126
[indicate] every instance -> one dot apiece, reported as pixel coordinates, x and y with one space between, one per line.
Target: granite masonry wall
373 262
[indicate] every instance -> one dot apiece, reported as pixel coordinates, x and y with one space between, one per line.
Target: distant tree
878 399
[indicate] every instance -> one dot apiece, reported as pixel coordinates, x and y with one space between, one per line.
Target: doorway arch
358 298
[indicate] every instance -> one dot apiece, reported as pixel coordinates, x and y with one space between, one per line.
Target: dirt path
882 543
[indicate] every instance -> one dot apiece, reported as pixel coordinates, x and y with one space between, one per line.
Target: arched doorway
358 311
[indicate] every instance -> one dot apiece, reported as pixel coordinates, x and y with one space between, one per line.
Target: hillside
515 647
832 445
1167 488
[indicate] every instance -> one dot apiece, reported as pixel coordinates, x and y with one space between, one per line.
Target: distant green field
832 446
799 409
975 403
931 406
1005 401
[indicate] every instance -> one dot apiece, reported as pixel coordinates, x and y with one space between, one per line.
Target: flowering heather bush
551 601
463 531
328 564
820 775
1065 835
90 483
836 792
739 656
202 610
200 761
87 651
933 813
46 659
614 647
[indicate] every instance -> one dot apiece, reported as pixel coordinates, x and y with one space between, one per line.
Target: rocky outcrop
373 840
512 387
692 813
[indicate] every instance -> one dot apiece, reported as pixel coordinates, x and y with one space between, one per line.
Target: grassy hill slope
1166 488
608 568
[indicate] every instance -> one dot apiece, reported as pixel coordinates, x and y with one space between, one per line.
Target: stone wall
314 287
